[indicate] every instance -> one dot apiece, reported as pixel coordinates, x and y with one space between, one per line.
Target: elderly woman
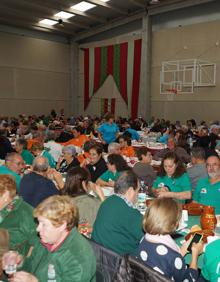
158 250
172 180
15 214
61 253
116 164
96 164
78 185
68 159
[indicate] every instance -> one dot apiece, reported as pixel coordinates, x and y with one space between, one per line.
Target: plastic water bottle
190 142
142 186
51 274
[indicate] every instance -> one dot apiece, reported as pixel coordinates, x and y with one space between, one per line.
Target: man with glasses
207 191
14 165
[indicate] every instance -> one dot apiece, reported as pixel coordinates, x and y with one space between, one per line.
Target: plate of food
108 191
197 229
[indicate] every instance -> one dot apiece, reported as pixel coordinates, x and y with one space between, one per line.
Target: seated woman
143 168
78 185
61 253
126 149
115 163
95 163
79 138
172 180
68 159
15 214
37 149
165 135
158 250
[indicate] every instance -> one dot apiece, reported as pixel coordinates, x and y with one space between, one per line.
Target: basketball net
171 93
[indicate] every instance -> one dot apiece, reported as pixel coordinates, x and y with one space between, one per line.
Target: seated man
14 165
143 168
118 224
172 147
35 186
21 148
198 169
207 191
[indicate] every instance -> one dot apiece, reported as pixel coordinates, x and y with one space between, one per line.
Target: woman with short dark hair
116 164
96 164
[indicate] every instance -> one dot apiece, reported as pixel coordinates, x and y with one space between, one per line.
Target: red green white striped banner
123 62
107 105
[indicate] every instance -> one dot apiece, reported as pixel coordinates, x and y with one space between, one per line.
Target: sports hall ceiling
27 14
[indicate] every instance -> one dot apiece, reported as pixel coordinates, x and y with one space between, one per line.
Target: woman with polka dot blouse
158 250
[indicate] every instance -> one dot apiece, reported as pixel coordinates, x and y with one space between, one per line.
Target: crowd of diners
53 170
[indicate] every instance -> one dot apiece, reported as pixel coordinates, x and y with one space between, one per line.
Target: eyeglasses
18 163
212 165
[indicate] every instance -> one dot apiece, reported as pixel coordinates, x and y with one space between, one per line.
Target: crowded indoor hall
109 141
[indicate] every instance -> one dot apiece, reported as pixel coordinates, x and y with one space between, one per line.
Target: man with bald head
14 165
35 186
207 191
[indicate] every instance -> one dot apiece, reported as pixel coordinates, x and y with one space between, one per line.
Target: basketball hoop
172 90
171 93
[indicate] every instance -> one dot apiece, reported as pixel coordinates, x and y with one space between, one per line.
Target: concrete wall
189 42
34 75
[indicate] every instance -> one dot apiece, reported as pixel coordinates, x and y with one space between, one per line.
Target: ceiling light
64 15
104 0
83 6
48 22
152 2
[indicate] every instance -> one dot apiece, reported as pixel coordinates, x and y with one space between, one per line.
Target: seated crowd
56 170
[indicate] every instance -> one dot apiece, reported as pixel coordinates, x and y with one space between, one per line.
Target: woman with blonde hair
60 253
158 250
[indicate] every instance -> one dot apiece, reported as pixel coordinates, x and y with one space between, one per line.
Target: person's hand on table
161 192
22 276
111 183
97 189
